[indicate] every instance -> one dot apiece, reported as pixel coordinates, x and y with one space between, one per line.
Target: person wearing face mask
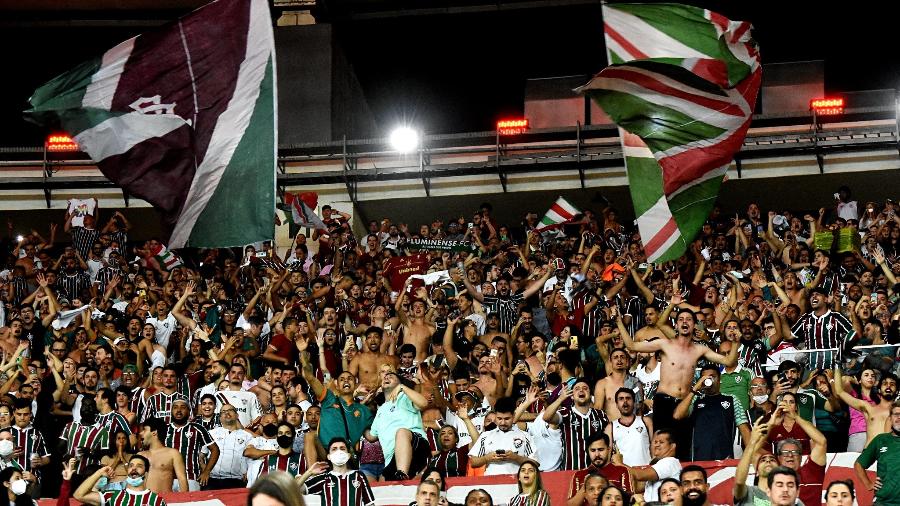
341 485
17 484
135 493
285 458
262 446
7 447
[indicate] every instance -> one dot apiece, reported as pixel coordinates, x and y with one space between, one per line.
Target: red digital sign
827 106
59 143
512 126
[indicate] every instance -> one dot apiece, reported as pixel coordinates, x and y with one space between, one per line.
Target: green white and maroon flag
682 89
183 117
560 213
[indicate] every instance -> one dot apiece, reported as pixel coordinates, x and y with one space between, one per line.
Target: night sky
458 73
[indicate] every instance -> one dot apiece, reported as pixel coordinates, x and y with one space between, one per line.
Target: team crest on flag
184 117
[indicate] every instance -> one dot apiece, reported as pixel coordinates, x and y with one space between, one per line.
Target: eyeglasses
789 452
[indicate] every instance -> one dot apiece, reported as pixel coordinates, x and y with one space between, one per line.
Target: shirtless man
649 330
416 330
166 464
605 389
678 355
490 380
878 416
366 365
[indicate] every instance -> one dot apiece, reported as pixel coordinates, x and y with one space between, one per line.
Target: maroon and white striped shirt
160 405
190 439
577 430
351 489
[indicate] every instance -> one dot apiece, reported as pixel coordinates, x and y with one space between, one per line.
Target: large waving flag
682 89
183 117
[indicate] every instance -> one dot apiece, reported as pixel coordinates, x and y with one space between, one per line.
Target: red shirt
559 322
284 348
778 432
812 476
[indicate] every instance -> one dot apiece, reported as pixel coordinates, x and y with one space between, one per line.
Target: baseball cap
129 368
559 264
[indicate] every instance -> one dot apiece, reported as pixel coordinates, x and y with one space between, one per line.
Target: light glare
404 139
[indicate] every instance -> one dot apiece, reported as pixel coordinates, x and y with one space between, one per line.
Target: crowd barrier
839 466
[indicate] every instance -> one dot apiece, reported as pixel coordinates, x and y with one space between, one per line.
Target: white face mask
339 457
759 399
18 487
6 448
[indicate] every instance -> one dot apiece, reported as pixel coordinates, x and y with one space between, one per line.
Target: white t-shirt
667 467
255 465
164 329
513 440
547 443
461 430
246 404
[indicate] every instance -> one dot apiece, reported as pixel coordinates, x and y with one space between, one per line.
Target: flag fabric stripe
301 212
231 125
560 213
184 117
256 210
104 82
686 99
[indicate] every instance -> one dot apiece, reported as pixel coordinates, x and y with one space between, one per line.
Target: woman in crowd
531 490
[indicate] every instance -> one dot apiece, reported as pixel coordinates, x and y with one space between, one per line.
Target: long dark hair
20 500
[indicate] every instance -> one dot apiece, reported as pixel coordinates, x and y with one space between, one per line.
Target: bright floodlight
404 139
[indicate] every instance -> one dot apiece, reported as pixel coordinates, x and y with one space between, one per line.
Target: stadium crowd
459 348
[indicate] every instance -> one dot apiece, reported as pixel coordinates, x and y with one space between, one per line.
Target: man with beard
884 449
232 440
788 380
504 303
504 448
578 423
84 439
342 415
246 403
618 377
213 373
166 464
877 415
694 486
823 329
135 493
600 454
367 365
160 404
34 329
191 440
679 356
630 433
89 389
416 329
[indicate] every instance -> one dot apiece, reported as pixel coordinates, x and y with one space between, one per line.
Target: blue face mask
135 482
102 482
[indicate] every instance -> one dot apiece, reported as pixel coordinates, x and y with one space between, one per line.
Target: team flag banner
560 213
302 207
167 259
183 117
439 245
681 86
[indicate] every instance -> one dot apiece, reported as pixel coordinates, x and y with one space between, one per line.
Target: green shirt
331 423
885 449
737 383
806 405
